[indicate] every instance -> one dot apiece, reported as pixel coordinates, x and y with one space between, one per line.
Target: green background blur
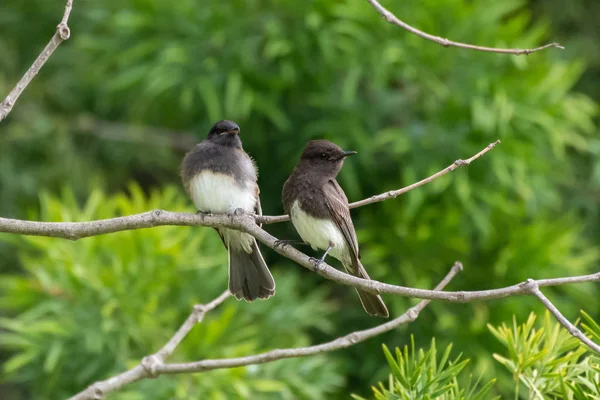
101 132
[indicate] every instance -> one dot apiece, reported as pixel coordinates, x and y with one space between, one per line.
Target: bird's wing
337 204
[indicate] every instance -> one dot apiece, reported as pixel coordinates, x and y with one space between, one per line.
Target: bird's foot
204 214
237 212
317 262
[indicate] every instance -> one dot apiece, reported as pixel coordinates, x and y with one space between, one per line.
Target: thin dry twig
266 219
392 19
148 367
62 33
246 223
153 366
79 230
534 289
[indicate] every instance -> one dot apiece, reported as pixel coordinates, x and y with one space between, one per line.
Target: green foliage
289 71
418 374
548 361
85 310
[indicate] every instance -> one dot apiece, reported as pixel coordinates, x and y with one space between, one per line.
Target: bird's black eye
323 156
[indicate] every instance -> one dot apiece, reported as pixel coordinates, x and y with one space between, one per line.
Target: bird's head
226 133
324 156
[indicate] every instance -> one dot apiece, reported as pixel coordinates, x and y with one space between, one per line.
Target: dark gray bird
220 178
318 208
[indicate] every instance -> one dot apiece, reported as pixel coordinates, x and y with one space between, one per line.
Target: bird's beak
235 131
348 153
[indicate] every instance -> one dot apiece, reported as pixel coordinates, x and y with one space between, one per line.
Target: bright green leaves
548 361
85 310
424 374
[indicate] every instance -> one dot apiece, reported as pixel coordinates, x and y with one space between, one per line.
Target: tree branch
153 366
246 223
392 19
147 368
534 289
265 219
62 33
79 230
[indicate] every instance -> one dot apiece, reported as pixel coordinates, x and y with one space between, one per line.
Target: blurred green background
101 132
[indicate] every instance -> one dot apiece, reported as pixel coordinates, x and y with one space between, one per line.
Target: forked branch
62 33
392 19
153 366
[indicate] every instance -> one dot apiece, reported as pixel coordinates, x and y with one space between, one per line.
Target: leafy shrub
418 374
85 310
548 361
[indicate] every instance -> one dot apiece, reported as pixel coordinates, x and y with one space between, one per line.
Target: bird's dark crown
324 150
225 133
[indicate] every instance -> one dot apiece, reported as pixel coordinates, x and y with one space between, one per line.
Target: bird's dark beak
235 131
348 153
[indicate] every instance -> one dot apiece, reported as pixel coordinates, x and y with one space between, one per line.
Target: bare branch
392 19
265 219
148 367
78 230
246 223
153 366
395 193
62 33
534 289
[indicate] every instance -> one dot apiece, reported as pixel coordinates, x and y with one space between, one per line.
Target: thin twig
395 193
79 230
153 367
149 366
534 289
266 219
62 33
392 19
246 223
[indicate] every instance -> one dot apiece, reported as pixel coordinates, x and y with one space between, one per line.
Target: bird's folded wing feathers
337 204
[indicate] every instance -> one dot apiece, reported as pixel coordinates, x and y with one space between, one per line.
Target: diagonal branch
78 230
153 366
392 19
62 33
266 219
534 289
148 367
246 223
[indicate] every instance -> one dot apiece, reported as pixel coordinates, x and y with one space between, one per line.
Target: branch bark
62 33
392 19
266 219
247 223
147 368
534 289
153 366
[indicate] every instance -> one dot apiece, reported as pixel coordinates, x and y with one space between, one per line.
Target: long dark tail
249 277
372 303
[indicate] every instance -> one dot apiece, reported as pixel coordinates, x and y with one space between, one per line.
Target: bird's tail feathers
249 277
372 303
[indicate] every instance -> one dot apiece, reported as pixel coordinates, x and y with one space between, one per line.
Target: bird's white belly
319 233
219 193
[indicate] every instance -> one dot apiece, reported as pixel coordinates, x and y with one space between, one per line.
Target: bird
220 177
318 209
